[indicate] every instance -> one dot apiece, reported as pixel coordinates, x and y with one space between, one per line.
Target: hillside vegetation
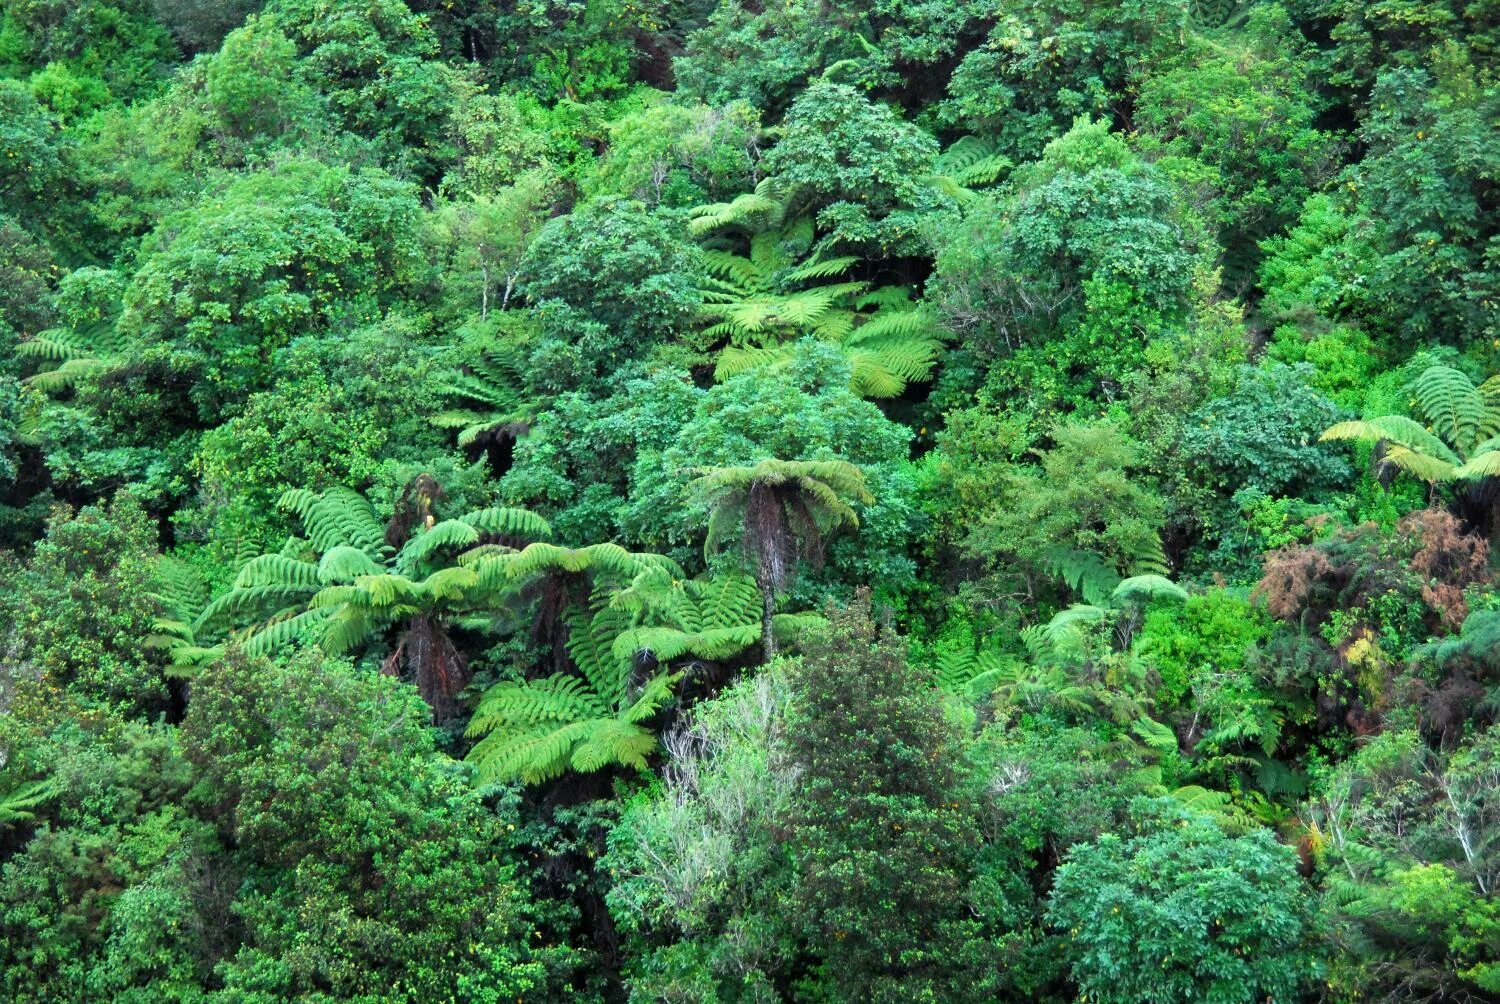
730 502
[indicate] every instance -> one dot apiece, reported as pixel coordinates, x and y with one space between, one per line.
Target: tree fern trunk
767 615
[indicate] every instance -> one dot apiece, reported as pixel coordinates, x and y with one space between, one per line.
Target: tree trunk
767 615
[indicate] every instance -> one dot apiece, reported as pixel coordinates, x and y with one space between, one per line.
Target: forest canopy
729 503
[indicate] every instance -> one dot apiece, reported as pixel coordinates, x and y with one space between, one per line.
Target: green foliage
75 613
31 161
611 280
757 308
801 412
1459 440
245 84
1184 913
598 714
1081 499
1264 434
874 827
295 249
117 894
1089 211
1410 839
1245 108
372 64
348 584
1209 635
860 165
1043 65
697 857
118 43
543 359
379 876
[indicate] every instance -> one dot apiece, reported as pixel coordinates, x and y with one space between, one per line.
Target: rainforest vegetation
737 501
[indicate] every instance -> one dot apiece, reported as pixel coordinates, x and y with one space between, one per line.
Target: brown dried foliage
1448 562
1289 576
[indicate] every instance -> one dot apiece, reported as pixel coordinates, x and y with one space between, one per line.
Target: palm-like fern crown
765 290
182 595
823 488
487 396
784 510
623 648
1461 435
346 582
970 162
61 357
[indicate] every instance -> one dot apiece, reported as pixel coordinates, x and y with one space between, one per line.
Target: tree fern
712 620
19 802
762 295
61 357
760 211
184 596
346 587
970 674
1478 640
968 163
487 396
1461 437
338 516
535 730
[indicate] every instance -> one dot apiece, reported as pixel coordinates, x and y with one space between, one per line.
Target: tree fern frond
19 802
277 570
733 361
344 564
338 516
280 632
179 588
1145 588
1396 428
724 601
1485 463
252 600
449 535
1155 735
1451 403
1420 465
452 583
652 697
825 268
612 741
1087 574
557 698
66 375
591 645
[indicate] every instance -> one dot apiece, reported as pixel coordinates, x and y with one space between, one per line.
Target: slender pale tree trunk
767 582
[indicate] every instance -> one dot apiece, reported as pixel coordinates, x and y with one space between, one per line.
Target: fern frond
826 268
591 645
66 375
277 570
1415 449
1087 574
344 564
338 516
1140 589
179 588
1155 735
281 632
18 803
1451 403
449 535
252 600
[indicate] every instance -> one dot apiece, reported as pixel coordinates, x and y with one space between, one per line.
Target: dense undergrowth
727 502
